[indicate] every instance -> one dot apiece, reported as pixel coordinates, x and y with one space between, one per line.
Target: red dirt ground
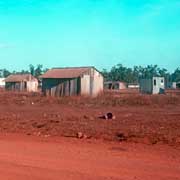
37 158
142 142
139 118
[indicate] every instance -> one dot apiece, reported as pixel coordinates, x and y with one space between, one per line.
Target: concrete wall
174 85
32 86
97 83
2 82
92 83
85 85
146 86
158 85
122 85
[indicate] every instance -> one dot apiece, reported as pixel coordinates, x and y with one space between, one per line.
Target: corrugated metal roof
19 78
70 72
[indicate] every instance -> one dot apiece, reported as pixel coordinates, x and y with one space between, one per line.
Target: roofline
71 68
20 74
77 68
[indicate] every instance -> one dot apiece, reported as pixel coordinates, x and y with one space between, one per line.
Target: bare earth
139 118
142 142
37 158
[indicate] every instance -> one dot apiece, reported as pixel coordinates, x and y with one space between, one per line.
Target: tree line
133 75
116 73
36 71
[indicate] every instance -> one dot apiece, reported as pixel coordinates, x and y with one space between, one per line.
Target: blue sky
102 33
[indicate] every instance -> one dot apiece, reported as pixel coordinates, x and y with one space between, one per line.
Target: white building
115 85
155 85
2 82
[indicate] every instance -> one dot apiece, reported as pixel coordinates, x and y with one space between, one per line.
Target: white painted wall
2 82
92 84
159 85
174 85
85 85
97 83
32 86
122 85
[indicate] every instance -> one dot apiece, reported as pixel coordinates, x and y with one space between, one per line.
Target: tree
176 75
38 70
32 69
6 73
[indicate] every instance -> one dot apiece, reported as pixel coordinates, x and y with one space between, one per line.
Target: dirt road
37 158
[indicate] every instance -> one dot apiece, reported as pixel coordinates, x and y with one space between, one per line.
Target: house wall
97 82
156 85
91 83
32 86
174 85
2 82
122 85
85 85
15 86
115 85
97 85
146 86
159 86
61 87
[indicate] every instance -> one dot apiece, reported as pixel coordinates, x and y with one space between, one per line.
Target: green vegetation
34 70
132 75
116 73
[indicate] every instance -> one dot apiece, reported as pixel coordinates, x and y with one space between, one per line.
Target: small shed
72 81
133 86
155 85
21 82
115 85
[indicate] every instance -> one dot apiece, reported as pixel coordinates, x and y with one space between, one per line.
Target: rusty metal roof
19 78
68 72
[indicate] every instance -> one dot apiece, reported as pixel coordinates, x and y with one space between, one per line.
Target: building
170 85
155 85
133 86
115 85
72 81
21 82
178 84
174 85
2 82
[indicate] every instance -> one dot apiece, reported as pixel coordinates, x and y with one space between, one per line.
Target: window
154 82
162 82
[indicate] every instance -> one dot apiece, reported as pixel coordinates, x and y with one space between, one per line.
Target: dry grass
104 99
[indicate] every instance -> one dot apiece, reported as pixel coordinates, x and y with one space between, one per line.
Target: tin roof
19 78
68 72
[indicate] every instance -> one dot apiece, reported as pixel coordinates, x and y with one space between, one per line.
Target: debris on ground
121 137
107 116
80 135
